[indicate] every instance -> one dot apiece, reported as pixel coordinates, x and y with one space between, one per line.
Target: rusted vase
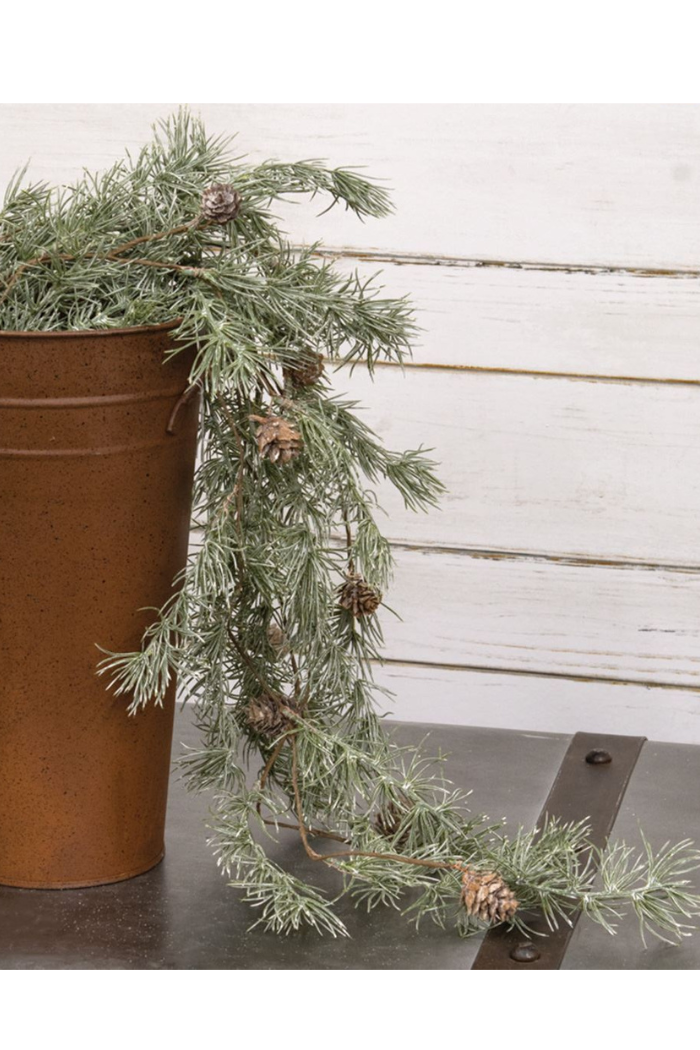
95 496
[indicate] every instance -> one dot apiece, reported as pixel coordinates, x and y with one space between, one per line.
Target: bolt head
598 757
525 953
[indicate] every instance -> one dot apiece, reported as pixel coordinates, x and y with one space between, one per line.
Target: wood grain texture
538 704
457 618
522 614
537 469
527 615
602 184
592 469
607 325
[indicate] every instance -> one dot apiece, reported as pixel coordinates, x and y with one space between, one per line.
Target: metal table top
182 915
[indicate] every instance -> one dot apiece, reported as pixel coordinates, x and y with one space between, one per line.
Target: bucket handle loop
184 398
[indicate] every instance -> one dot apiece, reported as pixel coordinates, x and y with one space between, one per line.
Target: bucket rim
86 332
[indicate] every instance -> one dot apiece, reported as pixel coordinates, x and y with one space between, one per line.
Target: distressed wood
536 703
610 325
592 469
600 184
460 612
523 614
577 470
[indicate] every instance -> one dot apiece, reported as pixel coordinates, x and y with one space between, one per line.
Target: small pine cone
388 821
278 641
358 596
220 203
266 717
277 440
277 638
487 897
306 372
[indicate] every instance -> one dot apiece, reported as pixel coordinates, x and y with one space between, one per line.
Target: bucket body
95 501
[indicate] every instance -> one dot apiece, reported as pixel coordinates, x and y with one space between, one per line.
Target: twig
297 684
266 772
112 256
320 833
271 761
253 669
297 800
238 485
151 237
348 539
330 858
26 265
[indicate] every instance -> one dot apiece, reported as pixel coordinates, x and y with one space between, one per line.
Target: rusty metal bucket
95 499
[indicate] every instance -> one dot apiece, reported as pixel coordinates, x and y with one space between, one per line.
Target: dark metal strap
590 784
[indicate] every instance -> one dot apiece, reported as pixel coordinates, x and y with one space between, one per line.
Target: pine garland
274 630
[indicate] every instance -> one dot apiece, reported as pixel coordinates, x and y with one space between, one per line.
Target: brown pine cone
265 715
487 897
220 203
358 596
305 372
277 638
388 821
277 440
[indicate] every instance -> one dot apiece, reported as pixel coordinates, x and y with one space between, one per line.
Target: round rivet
525 953
598 757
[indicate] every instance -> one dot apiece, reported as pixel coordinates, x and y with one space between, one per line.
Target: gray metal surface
664 800
182 915
590 785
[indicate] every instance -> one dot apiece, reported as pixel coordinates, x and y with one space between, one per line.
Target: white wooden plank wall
553 253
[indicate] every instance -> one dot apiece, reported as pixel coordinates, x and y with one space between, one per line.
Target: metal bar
590 784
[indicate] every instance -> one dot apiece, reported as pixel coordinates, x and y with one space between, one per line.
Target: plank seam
502 554
526 673
580 377
474 263
574 560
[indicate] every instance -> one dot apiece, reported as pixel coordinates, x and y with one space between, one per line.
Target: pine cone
388 821
358 596
220 203
266 717
277 638
277 440
487 897
306 372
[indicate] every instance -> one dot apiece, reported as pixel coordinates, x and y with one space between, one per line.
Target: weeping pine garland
273 630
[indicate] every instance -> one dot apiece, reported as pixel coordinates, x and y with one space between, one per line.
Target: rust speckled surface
94 516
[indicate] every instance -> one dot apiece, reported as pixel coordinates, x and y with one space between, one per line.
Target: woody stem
112 256
329 858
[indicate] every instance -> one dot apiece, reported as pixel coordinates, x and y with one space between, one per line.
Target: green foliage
257 610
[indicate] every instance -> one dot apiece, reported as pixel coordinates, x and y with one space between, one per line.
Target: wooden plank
530 320
606 184
589 469
536 645
534 617
536 703
523 614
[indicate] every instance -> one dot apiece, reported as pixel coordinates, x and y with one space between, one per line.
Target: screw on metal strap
525 953
588 786
598 757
